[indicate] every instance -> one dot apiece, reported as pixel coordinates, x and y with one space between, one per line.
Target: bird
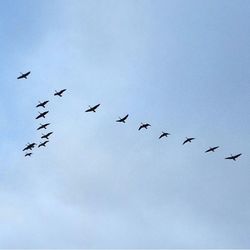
43 126
144 125
29 146
211 149
42 104
122 119
43 144
92 109
46 136
233 157
164 134
59 93
188 140
42 114
28 154
23 75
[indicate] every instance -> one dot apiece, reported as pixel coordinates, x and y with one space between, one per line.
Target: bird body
42 114
188 140
211 149
164 134
43 126
23 76
122 119
144 125
29 146
28 154
46 136
42 104
43 144
233 157
92 109
59 93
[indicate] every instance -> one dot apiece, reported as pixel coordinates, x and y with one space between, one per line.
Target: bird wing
160 136
96 106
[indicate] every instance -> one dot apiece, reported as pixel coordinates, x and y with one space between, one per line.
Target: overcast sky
182 66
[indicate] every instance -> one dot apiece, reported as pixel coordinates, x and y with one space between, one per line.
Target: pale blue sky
182 66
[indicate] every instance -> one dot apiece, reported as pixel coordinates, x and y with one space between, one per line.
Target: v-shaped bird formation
30 146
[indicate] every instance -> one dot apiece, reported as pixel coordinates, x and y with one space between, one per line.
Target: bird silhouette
23 76
164 134
46 136
122 119
233 157
92 109
144 125
59 93
43 126
42 114
29 146
42 104
188 140
211 149
43 144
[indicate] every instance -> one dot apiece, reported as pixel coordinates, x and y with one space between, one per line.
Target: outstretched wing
185 141
96 106
125 117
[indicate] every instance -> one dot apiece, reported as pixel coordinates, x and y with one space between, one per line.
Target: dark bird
42 114
59 93
92 109
43 144
43 126
23 75
28 154
233 157
122 119
46 136
29 146
211 149
144 125
164 134
42 104
188 140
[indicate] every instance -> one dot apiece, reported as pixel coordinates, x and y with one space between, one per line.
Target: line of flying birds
30 146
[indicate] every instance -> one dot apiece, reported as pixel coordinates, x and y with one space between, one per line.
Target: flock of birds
29 147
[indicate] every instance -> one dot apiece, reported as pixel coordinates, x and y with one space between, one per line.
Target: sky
182 66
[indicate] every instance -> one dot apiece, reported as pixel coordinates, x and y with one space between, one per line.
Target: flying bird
43 126
92 109
164 134
42 104
233 157
29 146
188 140
43 144
23 75
59 93
46 136
122 119
28 154
144 125
211 149
42 114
